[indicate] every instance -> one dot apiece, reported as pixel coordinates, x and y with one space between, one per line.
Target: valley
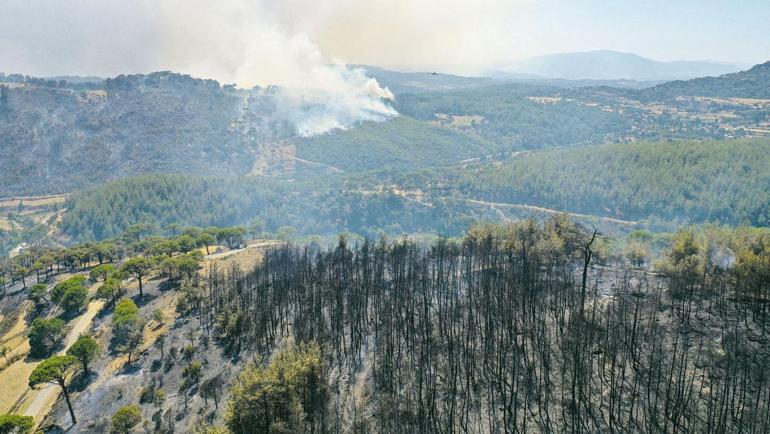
411 252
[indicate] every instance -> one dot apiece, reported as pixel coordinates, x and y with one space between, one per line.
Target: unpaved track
496 205
43 399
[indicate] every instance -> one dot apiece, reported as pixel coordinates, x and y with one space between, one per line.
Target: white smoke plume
344 97
246 45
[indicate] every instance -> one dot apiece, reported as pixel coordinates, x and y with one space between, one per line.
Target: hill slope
719 181
752 83
60 139
401 143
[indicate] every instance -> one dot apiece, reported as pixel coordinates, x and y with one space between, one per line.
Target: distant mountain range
611 65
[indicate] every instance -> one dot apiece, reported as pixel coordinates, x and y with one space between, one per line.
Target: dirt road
40 401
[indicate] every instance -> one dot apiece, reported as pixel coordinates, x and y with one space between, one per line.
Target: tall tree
86 349
56 370
138 267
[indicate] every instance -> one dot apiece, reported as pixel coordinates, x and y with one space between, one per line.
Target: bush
14 423
125 419
289 392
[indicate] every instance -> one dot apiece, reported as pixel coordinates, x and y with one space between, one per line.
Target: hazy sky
260 41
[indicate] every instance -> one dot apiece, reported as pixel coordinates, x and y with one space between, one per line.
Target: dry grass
5 224
13 378
245 258
33 201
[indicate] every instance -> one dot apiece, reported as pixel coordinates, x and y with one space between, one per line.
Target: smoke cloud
303 45
245 43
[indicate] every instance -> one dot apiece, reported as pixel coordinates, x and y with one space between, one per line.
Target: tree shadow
143 301
130 369
81 380
168 285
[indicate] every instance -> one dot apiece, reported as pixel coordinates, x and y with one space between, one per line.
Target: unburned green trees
125 419
286 395
56 370
14 423
127 327
101 272
139 267
86 350
45 335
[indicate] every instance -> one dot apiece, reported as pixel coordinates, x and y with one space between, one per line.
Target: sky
285 42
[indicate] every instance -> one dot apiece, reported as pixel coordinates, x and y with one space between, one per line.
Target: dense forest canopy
725 182
718 181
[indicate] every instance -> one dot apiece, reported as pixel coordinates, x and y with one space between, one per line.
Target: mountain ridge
610 64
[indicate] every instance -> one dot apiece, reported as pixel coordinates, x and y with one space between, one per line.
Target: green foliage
159 398
127 327
14 423
718 181
45 335
233 237
209 429
192 374
512 120
86 350
60 289
38 293
54 370
125 419
158 316
126 313
287 394
183 266
102 272
74 299
752 83
402 143
110 290
327 207
138 267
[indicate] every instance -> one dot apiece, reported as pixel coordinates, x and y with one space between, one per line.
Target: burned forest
511 329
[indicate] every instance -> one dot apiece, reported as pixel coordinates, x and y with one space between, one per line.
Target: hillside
661 182
63 136
315 207
666 183
184 329
752 83
401 143
416 82
59 139
515 116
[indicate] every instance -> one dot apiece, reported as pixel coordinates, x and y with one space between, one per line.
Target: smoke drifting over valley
233 41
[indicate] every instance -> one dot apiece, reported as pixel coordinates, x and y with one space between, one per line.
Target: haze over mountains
60 136
578 243
612 65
